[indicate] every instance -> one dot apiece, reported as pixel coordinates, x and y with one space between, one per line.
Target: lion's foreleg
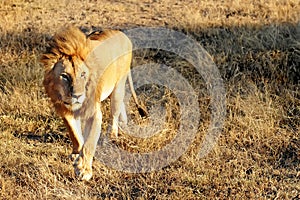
75 133
83 164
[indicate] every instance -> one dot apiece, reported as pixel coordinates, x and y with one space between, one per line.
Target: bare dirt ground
256 47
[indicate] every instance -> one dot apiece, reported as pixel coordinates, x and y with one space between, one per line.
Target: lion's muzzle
78 98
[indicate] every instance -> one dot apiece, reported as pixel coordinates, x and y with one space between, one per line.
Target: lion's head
66 74
66 84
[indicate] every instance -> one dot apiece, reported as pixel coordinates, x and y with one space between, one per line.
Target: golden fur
80 72
70 42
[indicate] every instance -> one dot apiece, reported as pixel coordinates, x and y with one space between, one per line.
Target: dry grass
256 46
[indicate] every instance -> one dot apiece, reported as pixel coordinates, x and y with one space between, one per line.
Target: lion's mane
70 41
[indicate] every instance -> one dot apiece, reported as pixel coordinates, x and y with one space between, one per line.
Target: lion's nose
76 96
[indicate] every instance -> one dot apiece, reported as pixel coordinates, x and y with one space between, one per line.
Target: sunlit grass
255 45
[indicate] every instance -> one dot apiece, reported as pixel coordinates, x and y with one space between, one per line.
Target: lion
81 71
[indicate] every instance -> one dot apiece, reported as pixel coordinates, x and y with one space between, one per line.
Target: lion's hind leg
118 110
123 115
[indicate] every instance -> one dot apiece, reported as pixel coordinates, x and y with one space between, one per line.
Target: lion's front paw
73 156
82 169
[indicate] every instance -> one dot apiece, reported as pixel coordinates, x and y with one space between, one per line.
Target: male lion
80 72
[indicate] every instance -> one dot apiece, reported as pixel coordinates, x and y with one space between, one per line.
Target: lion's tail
141 108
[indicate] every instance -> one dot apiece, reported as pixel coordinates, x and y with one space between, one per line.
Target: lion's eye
65 77
83 74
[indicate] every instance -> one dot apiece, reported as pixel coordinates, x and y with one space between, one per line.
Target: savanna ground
256 47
